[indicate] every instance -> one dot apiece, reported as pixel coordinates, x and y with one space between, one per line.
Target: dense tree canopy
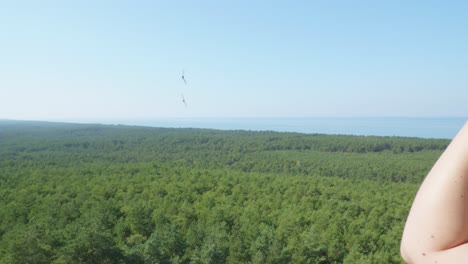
76 193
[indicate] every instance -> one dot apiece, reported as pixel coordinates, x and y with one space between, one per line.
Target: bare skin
436 230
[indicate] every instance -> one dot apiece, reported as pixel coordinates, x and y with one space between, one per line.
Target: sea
423 127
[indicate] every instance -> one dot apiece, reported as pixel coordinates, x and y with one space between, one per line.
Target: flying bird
183 77
183 100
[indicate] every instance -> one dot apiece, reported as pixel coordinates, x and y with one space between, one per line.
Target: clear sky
124 59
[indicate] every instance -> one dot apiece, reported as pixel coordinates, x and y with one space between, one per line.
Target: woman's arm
436 230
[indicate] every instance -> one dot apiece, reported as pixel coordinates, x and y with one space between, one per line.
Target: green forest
88 193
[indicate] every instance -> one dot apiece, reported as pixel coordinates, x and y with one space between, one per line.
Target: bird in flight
183 100
183 77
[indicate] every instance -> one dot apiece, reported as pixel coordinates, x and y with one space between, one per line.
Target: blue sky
124 59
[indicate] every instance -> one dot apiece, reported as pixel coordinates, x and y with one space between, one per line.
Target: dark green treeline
75 193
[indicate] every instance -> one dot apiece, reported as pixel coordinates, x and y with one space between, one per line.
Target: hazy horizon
91 119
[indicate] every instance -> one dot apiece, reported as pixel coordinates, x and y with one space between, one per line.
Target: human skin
436 230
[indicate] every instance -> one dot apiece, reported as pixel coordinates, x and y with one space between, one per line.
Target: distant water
441 127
